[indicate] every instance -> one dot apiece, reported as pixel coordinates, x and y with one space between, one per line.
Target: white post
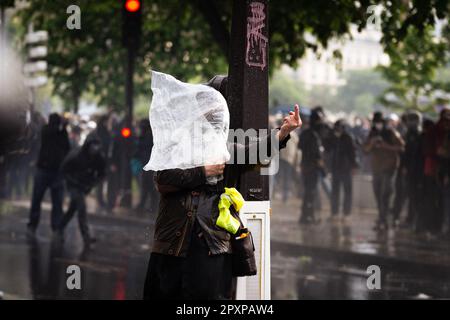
256 217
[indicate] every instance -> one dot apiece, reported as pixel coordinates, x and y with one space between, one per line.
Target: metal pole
248 102
127 176
248 81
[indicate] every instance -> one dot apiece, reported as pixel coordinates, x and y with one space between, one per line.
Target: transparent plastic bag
190 125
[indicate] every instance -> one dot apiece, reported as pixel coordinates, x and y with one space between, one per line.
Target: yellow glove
226 220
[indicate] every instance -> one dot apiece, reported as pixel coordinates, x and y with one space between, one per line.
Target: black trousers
344 180
99 194
44 180
310 182
430 215
401 194
198 276
77 203
113 181
415 192
382 187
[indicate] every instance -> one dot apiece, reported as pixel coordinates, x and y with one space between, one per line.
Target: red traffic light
132 5
125 132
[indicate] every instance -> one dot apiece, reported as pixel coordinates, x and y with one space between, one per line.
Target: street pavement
114 268
324 261
330 260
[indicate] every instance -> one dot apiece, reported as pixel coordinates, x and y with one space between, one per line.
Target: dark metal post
127 176
248 81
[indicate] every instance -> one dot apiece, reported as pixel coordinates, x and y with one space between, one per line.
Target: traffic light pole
127 176
131 32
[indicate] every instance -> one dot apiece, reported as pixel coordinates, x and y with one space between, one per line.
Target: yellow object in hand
226 220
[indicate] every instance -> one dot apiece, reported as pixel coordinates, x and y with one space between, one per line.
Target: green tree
190 39
412 71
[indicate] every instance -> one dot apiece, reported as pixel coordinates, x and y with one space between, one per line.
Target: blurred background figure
394 122
83 168
429 197
103 133
384 145
54 147
442 147
360 131
113 165
343 163
75 136
147 190
410 171
312 165
443 156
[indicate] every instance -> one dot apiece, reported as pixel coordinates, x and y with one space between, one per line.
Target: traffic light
126 132
132 5
132 18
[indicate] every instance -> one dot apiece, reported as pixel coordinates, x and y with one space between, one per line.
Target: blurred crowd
78 155
407 158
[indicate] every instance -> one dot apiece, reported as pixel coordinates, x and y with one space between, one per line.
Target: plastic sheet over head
190 125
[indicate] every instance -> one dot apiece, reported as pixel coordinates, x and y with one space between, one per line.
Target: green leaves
189 39
412 72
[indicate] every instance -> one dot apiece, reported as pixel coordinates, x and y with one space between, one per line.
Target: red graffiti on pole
256 55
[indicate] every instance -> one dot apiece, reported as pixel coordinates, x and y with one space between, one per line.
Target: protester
411 170
114 158
147 190
83 168
400 184
443 156
343 164
360 131
75 136
429 211
312 166
444 166
54 147
104 135
384 145
190 257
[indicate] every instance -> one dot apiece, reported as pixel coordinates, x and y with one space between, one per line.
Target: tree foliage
413 70
358 95
190 39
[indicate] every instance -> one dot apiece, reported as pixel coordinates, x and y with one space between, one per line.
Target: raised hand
290 123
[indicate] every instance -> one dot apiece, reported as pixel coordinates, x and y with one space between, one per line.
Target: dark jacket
343 154
54 145
412 158
310 144
84 168
144 147
186 198
104 136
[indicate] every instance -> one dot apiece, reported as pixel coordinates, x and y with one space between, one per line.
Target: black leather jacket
186 199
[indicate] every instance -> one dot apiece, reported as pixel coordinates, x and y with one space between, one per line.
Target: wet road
313 278
115 267
330 260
